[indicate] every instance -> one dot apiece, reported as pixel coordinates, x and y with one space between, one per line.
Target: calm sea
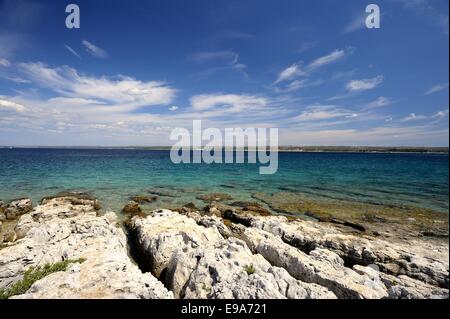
113 175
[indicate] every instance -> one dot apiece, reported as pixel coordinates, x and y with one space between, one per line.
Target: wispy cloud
289 73
426 8
10 106
414 117
220 60
75 53
173 108
357 23
379 102
364 84
294 71
121 90
334 56
94 50
4 62
436 88
232 102
322 112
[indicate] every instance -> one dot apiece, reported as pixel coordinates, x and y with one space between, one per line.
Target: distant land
354 149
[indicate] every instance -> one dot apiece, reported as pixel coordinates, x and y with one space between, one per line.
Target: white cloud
379 102
441 114
323 112
75 53
356 24
413 117
364 84
173 108
327 59
232 102
129 92
94 50
437 88
11 106
4 62
289 73
294 71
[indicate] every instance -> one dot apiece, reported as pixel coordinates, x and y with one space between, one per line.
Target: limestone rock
229 270
59 230
419 259
159 235
321 266
404 287
198 262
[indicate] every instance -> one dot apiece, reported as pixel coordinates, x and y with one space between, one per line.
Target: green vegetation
250 269
34 274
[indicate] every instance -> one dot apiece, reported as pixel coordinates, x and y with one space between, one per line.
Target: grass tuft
34 274
249 269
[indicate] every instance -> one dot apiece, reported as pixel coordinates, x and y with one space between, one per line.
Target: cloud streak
436 88
94 50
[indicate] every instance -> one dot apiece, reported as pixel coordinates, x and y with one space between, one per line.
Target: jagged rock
229 270
59 230
76 197
132 208
209 221
321 266
403 287
423 260
18 207
197 262
142 199
159 235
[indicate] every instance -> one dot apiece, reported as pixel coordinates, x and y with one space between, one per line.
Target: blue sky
137 69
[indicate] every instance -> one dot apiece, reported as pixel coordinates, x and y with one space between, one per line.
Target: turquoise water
113 175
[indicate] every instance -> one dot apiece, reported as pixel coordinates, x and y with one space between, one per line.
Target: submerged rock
132 208
142 199
214 197
60 230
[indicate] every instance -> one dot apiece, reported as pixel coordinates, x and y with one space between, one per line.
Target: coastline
281 149
350 258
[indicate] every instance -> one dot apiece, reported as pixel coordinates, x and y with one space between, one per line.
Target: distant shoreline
281 149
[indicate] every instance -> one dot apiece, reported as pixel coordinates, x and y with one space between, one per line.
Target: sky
136 70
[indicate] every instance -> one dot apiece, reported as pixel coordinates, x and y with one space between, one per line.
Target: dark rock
374 219
214 197
18 207
190 206
162 192
142 199
132 208
430 233
257 209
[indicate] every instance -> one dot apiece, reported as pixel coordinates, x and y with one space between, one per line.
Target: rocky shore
66 248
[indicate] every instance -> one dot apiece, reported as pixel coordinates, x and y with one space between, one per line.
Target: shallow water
113 175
